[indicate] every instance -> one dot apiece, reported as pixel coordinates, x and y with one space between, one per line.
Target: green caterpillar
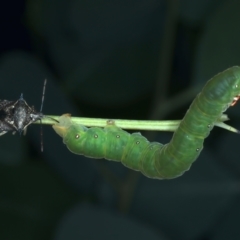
156 160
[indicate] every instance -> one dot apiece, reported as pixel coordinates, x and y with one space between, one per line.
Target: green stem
169 125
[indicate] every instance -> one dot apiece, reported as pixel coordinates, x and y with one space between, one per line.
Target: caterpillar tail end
63 124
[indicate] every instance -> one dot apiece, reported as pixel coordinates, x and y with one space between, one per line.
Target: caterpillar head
71 133
64 122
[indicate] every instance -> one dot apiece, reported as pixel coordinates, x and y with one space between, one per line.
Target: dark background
144 59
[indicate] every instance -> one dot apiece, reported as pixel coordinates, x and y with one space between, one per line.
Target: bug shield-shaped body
6 116
23 115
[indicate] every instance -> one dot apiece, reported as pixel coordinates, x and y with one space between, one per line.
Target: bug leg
25 131
2 133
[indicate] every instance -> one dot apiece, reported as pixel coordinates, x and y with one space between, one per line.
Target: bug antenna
43 95
41 134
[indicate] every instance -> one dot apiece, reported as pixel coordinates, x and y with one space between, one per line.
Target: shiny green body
156 160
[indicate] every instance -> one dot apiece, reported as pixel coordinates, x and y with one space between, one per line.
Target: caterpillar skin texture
156 160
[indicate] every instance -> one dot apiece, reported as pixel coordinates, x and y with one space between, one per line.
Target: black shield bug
18 115
24 115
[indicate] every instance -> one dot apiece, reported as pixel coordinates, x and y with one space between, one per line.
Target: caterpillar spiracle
153 159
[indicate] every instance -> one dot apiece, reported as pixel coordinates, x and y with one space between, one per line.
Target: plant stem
169 125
